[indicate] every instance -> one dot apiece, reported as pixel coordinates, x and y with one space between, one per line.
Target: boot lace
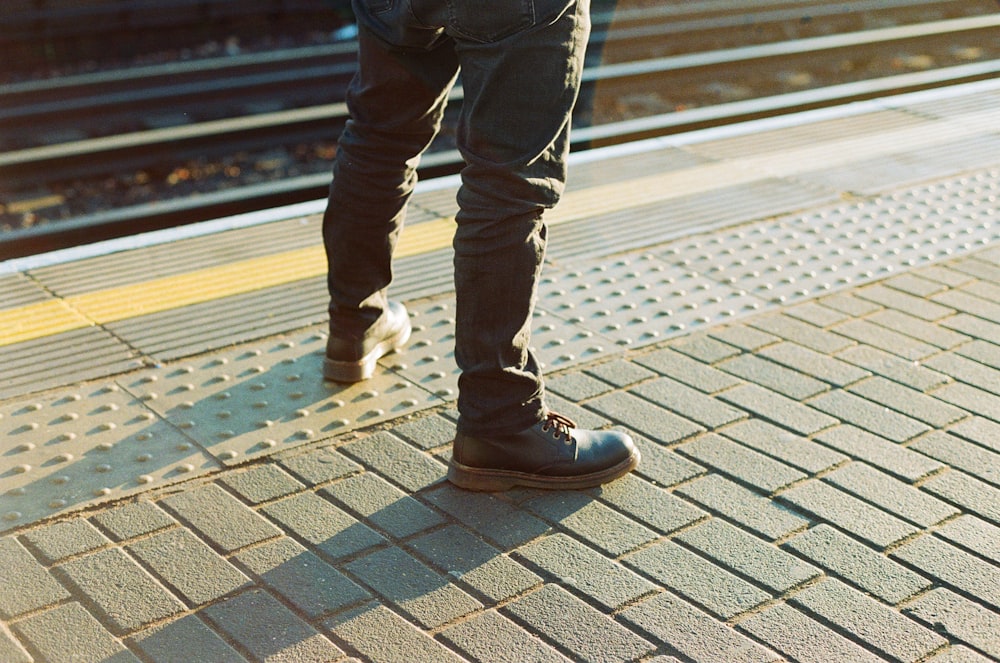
562 426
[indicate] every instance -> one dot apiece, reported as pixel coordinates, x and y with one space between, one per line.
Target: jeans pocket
492 22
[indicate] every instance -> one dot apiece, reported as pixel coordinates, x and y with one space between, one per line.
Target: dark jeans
520 62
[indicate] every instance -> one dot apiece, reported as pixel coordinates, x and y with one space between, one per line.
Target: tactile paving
84 446
269 396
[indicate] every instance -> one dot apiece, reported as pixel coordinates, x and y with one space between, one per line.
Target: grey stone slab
467 559
973 534
774 376
688 403
694 633
318 466
303 579
591 520
741 463
134 600
751 510
803 639
261 483
194 570
891 495
869 415
656 508
493 637
881 628
268 630
908 401
220 518
856 563
576 627
800 332
784 445
690 371
687 574
868 333
318 522
959 618
641 415
397 461
399 641
69 633
952 566
916 306
888 456
958 453
810 362
383 505
184 639
425 595
779 409
893 367
848 513
585 571
133 519
25 585
61 540
966 492
495 520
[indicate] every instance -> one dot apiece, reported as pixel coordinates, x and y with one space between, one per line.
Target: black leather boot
353 360
553 454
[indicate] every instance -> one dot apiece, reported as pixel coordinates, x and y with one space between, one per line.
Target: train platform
797 318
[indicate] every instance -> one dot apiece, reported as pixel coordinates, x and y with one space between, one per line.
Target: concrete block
688 403
784 445
648 419
969 493
773 376
649 504
383 505
427 432
220 518
621 373
495 520
58 541
592 521
952 566
133 519
870 416
741 505
185 639
319 466
398 640
800 332
741 463
492 637
803 639
894 368
823 367
315 520
772 406
25 585
909 402
69 633
958 453
691 372
261 483
868 333
890 494
959 618
397 461
879 452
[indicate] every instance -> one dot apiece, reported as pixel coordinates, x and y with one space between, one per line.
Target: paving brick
189 566
966 492
942 274
895 368
974 535
268 630
580 514
185 639
959 618
803 639
745 554
644 417
492 638
927 332
397 461
963 455
880 627
746 338
868 415
963 301
968 371
134 519
784 446
382 504
820 366
745 507
890 494
621 372
741 463
984 289
908 401
782 410
982 351
427 432
261 483
61 540
398 641
970 398
984 269
25 585
703 348
319 466
975 327
220 517
958 654
801 333
11 650
662 466
576 627
318 522
861 566
887 456
479 565
914 284
412 587
585 570
689 403
576 386
69 633
868 333
851 306
952 566
303 579
132 601
689 371
693 633
775 377
816 314
848 513
900 301
697 579
649 504
491 518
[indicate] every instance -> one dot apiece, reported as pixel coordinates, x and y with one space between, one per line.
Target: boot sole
487 480
364 368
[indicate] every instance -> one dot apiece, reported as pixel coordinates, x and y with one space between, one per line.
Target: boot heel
471 479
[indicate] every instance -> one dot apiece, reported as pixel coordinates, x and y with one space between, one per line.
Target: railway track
651 71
